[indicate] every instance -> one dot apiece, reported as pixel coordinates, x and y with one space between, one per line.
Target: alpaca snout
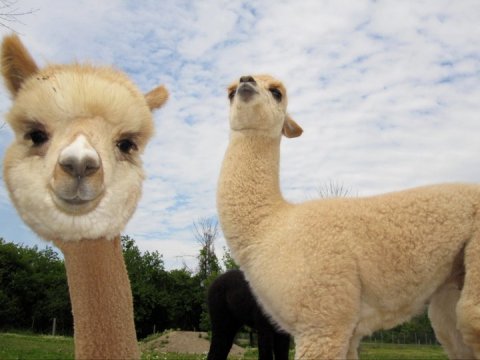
79 159
78 176
80 167
247 79
247 88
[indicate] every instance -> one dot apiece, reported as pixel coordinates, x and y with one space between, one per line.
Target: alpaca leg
330 338
353 347
468 307
329 315
442 314
281 345
224 330
265 343
317 346
222 340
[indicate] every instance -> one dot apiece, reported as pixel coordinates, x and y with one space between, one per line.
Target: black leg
222 340
281 345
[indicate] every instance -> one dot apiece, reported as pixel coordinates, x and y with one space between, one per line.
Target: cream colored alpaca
74 174
332 271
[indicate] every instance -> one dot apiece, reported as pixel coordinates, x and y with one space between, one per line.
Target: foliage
147 277
228 261
416 331
33 289
161 299
185 301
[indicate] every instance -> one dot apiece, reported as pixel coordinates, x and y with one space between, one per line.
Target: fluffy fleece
231 305
74 174
332 271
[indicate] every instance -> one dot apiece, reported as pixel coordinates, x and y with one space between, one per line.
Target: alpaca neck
248 189
101 299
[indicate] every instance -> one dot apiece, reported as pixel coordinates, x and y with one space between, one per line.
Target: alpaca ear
156 97
17 63
290 128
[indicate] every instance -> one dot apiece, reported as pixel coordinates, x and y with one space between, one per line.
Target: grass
371 351
28 346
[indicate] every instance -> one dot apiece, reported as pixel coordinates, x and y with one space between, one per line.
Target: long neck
248 190
101 299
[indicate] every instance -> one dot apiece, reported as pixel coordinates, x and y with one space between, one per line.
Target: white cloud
387 92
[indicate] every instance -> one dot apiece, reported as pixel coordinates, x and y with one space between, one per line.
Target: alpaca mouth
246 91
76 201
76 205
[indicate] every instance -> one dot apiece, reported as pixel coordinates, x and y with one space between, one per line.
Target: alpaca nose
79 159
79 167
247 79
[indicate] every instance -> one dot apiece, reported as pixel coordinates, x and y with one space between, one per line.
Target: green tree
49 273
33 289
185 300
228 261
148 278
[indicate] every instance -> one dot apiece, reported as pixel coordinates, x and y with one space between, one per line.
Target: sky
387 92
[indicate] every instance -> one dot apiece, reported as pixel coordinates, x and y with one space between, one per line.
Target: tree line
34 290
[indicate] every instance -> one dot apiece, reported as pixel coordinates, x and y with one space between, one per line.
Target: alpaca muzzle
247 90
77 182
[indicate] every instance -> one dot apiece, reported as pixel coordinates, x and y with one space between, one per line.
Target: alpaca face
74 169
258 105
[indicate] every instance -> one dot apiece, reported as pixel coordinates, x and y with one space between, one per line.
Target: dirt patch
185 342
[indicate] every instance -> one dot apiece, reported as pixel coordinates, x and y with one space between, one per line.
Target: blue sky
387 93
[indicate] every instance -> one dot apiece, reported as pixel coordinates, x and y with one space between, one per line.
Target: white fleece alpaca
332 271
74 173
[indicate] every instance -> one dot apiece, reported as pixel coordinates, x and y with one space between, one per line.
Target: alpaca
231 305
74 174
331 271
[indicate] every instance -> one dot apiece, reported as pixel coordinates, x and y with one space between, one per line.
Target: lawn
26 346
370 351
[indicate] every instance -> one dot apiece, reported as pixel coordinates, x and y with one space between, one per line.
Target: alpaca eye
38 137
126 146
231 94
277 95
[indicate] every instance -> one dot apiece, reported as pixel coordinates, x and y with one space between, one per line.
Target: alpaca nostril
79 159
247 79
79 167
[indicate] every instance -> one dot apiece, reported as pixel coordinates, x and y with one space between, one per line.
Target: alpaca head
258 105
74 169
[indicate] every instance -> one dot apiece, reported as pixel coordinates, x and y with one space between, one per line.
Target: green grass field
26 346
